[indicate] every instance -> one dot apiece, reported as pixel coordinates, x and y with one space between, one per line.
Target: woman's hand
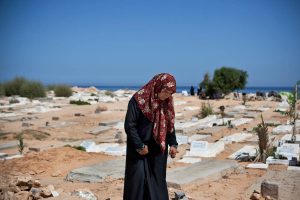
144 151
173 151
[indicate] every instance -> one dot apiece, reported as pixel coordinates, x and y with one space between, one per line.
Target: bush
2 90
32 89
109 93
13 87
79 102
62 91
51 87
206 110
229 79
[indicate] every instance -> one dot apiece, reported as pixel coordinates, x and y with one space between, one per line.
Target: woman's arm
131 120
171 139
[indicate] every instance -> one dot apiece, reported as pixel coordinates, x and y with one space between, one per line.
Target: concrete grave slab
237 137
293 168
182 139
257 166
113 169
288 150
3 155
200 172
204 149
288 137
282 129
109 123
272 160
189 160
99 129
9 145
241 121
272 123
251 150
197 137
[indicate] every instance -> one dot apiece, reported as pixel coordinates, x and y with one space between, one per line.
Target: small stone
56 174
45 192
24 181
78 114
23 195
255 196
36 183
35 192
268 198
24 124
55 118
14 188
24 188
210 185
39 171
255 191
32 172
179 195
34 149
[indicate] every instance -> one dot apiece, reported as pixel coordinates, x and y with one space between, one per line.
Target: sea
179 89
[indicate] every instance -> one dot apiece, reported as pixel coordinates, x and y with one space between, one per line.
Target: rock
268 198
45 192
36 183
85 194
24 181
35 192
269 189
9 196
14 188
55 118
24 188
179 195
32 172
24 124
34 149
255 191
39 171
255 196
23 195
56 173
78 114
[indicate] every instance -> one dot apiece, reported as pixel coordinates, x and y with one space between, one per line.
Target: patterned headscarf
160 112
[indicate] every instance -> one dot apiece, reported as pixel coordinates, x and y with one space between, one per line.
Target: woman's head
165 85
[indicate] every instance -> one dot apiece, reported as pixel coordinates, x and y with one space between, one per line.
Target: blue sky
110 42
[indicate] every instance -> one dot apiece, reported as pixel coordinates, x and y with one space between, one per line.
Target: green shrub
51 87
62 91
2 90
79 102
109 93
32 89
13 87
206 110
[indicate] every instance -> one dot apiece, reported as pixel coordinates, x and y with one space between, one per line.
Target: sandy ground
53 163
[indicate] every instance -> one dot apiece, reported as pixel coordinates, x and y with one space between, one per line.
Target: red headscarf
161 113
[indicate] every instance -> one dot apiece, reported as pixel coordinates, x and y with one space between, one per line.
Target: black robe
145 176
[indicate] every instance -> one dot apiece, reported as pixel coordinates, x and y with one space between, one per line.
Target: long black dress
145 176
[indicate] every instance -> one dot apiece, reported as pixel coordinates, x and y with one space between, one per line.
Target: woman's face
164 94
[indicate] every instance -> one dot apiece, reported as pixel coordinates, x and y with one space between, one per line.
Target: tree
228 79
206 80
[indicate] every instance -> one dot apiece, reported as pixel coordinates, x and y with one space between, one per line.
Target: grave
113 169
237 137
200 172
241 121
248 149
272 160
204 149
257 166
109 123
99 129
282 129
288 150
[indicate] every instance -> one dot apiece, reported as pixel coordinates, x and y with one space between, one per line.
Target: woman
149 126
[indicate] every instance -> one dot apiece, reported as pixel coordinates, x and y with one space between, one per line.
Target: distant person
149 125
192 91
